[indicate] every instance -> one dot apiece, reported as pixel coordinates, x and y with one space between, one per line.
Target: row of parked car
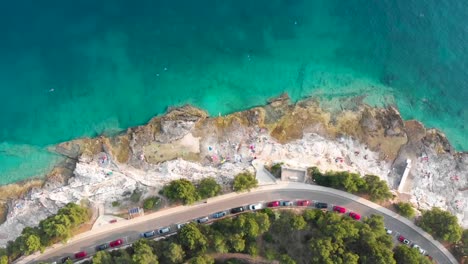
252 207
406 241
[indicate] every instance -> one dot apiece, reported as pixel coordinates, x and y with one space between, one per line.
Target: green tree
286 259
237 243
441 225
461 247
219 243
174 253
298 222
208 187
102 257
263 222
192 239
405 209
123 257
32 243
143 253
406 255
3 260
244 182
376 188
150 203
205 259
181 190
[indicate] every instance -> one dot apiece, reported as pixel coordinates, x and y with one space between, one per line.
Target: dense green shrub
151 202
405 209
441 225
352 182
208 187
244 182
53 229
181 190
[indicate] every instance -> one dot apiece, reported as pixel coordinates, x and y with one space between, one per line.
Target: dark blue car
219 214
148 234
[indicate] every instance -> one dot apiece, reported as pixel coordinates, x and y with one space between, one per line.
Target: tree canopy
208 187
181 190
371 185
407 255
441 225
244 182
53 229
405 209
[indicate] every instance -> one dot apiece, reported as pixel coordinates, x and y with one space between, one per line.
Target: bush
441 225
405 209
181 190
208 187
244 182
151 202
115 203
352 182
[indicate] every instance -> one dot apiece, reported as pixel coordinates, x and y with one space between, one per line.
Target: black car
321 205
237 210
63 260
102 247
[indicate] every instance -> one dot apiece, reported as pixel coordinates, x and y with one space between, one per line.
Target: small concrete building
293 174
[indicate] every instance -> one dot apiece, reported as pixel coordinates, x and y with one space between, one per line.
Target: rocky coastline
187 143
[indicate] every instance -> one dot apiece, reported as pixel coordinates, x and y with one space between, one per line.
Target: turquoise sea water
80 68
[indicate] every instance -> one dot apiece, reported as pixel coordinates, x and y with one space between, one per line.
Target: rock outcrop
187 143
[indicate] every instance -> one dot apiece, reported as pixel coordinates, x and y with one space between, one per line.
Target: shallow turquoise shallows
73 70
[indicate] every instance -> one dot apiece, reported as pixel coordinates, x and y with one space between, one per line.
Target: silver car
202 220
164 230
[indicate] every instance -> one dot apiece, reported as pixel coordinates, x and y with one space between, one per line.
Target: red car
116 243
339 209
81 254
355 216
273 204
403 240
303 203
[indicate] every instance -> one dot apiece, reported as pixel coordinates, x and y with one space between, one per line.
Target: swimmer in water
51 90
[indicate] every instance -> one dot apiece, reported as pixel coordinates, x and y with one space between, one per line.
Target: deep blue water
79 68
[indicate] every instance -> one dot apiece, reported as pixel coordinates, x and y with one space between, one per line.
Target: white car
179 226
389 232
255 206
422 251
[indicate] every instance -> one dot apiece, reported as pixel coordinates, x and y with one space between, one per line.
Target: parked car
355 216
237 210
389 232
148 234
102 247
179 226
63 260
81 254
164 230
273 204
320 205
116 243
255 206
286 203
421 251
403 240
202 220
219 214
303 203
339 209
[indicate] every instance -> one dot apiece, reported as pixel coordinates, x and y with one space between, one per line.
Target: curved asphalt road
130 230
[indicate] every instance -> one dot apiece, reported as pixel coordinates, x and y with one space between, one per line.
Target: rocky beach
187 143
